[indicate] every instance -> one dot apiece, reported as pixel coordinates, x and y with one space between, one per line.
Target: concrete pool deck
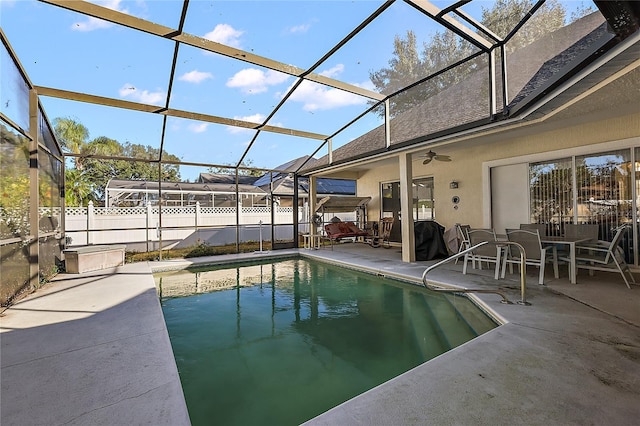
93 349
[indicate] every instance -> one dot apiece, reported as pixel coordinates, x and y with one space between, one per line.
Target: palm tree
72 136
78 189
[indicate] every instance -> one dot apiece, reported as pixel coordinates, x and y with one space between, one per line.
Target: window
423 205
604 188
551 192
594 188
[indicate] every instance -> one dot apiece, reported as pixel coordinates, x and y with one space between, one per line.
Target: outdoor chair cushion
338 230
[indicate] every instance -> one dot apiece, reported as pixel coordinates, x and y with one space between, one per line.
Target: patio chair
535 254
463 238
381 233
386 224
590 231
489 253
540 227
605 256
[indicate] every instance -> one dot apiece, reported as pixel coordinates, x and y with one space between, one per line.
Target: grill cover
429 237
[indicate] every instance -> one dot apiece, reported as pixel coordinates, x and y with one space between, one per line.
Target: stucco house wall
467 162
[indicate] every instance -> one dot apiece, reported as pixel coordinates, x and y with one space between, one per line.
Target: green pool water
279 343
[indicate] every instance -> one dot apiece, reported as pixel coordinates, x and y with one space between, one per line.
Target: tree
241 172
404 66
73 137
78 189
505 14
581 11
86 181
409 65
14 184
100 171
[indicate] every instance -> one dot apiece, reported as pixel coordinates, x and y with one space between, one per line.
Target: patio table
571 242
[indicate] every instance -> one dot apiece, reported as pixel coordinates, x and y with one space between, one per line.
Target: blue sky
66 50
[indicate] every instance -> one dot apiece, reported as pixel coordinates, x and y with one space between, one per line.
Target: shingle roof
223 186
230 179
531 69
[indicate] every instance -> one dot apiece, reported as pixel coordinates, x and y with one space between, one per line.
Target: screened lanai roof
234 83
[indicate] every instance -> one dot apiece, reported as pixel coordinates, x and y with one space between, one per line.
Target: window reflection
14 182
423 202
602 195
14 92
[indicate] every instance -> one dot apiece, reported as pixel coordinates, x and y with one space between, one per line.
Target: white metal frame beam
155 109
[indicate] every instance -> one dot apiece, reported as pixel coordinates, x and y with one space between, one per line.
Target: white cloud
133 93
252 81
333 72
302 28
225 34
92 23
198 128
255 118
195 76
316 97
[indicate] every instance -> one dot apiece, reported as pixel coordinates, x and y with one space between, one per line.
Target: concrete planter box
93 258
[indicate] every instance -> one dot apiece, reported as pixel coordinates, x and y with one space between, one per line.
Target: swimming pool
282 342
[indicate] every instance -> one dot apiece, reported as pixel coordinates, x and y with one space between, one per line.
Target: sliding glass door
601 188
423 207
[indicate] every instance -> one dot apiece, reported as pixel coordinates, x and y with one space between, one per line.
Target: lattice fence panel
119 211
191 210
75 211
50 211
217 210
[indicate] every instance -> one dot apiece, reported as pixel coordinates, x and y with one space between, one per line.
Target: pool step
475 318
457 318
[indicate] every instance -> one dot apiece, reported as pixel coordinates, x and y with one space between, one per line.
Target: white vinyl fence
139 227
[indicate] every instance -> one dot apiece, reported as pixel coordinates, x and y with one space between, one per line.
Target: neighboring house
567 135
132 193
219 190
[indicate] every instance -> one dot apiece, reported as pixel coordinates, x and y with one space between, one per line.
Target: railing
523 300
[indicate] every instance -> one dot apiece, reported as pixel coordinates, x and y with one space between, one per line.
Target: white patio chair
605 256
535 254
490 253
386 224
463 237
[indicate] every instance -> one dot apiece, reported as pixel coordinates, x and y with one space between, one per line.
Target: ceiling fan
433 156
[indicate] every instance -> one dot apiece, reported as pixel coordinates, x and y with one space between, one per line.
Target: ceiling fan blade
442 158
427 161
